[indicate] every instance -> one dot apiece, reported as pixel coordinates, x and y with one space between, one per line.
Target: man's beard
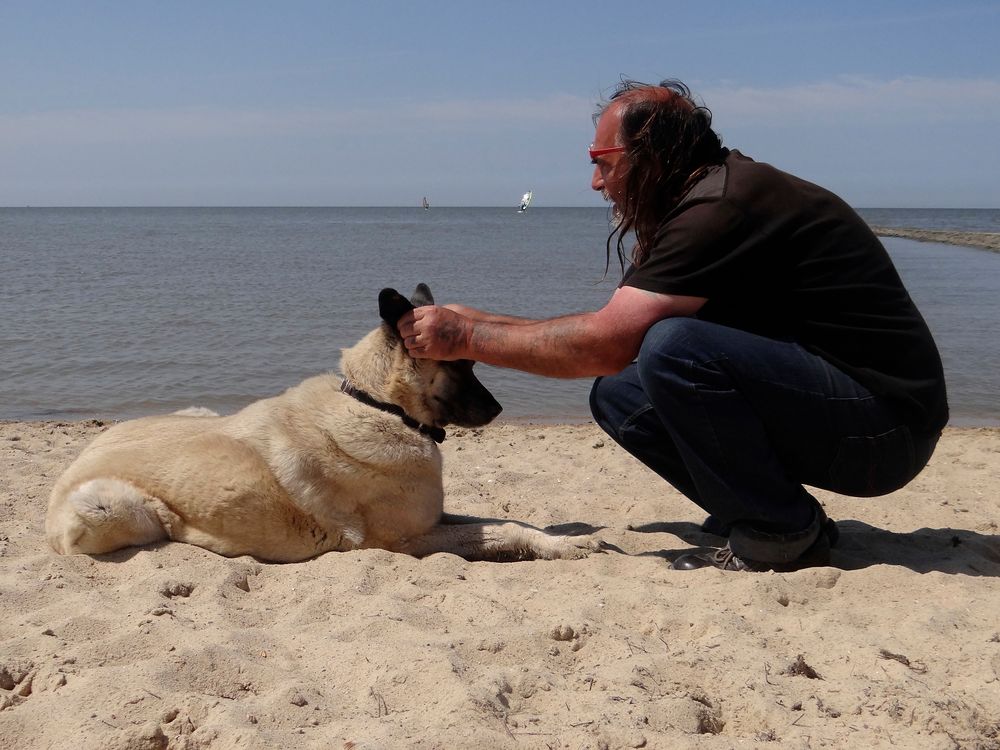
616 215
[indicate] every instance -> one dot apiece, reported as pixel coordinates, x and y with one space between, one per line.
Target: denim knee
609 403
598 398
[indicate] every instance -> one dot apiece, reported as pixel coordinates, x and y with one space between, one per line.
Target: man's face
610 170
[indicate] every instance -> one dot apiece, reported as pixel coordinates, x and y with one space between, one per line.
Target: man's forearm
573 346
565 347
481 316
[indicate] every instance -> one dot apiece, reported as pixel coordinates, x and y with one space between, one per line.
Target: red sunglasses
595 152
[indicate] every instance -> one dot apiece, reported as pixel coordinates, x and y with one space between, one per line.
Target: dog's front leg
480 539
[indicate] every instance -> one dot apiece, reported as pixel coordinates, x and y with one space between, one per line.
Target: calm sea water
115 313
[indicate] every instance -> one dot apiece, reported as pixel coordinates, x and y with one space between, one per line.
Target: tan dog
324 466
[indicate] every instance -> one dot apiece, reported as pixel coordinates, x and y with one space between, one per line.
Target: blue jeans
739 422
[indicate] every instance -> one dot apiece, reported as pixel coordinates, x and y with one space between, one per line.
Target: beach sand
897 644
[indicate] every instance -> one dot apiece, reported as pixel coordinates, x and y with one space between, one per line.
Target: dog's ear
392 306
422 296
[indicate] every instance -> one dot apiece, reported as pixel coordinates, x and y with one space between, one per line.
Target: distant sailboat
525 202
426 204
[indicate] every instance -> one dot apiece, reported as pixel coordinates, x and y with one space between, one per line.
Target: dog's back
284 479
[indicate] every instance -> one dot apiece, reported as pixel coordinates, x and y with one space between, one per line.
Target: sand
982 240
897 644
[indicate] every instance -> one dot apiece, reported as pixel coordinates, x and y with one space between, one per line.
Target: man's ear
392 306
422 296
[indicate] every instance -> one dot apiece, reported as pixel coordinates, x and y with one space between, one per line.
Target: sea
113 313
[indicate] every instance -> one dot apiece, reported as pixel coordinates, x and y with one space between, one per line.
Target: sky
379 103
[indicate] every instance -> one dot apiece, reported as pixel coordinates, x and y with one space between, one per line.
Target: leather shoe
723 558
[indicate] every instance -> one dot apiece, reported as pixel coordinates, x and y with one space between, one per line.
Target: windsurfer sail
426 204
525 202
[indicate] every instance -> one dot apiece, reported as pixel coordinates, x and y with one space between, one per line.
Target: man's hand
433 332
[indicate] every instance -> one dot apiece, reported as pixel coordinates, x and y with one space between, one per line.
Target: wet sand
984 240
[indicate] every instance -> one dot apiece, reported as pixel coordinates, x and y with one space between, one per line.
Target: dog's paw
574 547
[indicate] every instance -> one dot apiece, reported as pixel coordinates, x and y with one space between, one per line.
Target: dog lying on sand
327 465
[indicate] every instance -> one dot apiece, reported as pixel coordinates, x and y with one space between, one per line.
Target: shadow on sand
953 551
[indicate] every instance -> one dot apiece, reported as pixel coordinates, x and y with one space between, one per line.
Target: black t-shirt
781 257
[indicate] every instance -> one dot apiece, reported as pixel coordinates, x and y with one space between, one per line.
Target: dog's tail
102 515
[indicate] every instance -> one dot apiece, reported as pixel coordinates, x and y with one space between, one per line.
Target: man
760 340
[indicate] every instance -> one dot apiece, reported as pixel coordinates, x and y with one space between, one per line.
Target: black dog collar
436 434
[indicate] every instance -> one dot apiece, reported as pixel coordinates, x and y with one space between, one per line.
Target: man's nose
597 181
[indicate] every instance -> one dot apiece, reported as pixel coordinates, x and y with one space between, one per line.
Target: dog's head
432 392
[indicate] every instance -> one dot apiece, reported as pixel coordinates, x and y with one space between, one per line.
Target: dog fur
312 470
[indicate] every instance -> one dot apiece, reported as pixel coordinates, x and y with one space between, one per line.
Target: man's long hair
669 143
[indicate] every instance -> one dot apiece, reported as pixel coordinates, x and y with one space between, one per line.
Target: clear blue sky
471 103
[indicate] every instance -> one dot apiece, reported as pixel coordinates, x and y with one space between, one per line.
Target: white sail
525 202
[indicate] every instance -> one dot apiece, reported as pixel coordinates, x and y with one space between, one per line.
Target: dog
329 465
